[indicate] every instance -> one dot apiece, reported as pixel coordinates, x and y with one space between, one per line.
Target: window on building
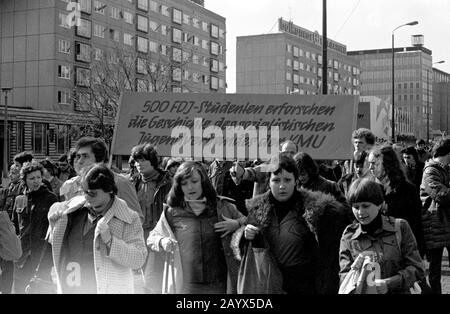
296 78
40 138
296 65
142 44
62 138
195 22
114 13
99 30
143 5
336 77
405 85
177 16
63 46
141 66
289 48
186 56
214 48
288 76
83 76
163 50
196 41
63 97
176 74
288 62
186 19
214 66
115 34
165 10
128 17
295 51
205 62
128 39
176 54
142 23
153 46
82 104
319 59
214 31
99 7
153 25
98 54
64 72
405 97
186 75
63 20
154 6
214 82
221 33
163 29
177 35
86 6
205 26
204 44
399 86
84 29
82 52
195 59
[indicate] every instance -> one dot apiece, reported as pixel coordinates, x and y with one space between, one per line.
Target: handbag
258 272
356 280
38 285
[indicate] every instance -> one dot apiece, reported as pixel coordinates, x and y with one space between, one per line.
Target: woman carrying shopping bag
395 267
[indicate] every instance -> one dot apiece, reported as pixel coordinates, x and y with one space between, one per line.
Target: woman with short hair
96 243
373 235
32 208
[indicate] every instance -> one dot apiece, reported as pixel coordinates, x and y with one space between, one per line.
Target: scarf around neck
152 176
197 206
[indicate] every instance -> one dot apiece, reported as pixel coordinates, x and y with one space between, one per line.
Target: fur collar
312 206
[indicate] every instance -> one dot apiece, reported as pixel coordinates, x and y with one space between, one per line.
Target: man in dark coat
435 196
414 167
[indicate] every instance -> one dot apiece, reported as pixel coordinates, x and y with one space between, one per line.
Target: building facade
441 102
48 49
290 62
413 83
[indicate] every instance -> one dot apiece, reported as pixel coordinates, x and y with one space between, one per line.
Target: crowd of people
77 225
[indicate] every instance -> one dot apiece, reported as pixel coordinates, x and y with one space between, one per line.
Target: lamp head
412 23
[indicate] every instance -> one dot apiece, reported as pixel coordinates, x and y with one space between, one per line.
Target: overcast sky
358 24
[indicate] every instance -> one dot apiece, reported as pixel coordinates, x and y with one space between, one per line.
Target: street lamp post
393 78
5 135
428 99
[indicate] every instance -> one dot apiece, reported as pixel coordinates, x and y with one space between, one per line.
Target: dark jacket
329 187
404 268
404 202
222 182
435 197
414 175
325 219
33 223
152 205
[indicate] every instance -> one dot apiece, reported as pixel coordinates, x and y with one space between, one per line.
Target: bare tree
99 86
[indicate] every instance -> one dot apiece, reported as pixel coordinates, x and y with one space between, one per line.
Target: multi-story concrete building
441 102
47 61
413 81
291 62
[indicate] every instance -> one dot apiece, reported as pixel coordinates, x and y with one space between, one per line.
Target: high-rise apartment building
47 61
413 83
290 62
441 102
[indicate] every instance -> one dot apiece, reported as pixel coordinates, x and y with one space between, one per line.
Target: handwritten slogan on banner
235 126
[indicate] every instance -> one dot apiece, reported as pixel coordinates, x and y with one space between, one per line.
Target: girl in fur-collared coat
302 228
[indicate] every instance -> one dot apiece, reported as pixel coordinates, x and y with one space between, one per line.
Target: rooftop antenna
290 14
